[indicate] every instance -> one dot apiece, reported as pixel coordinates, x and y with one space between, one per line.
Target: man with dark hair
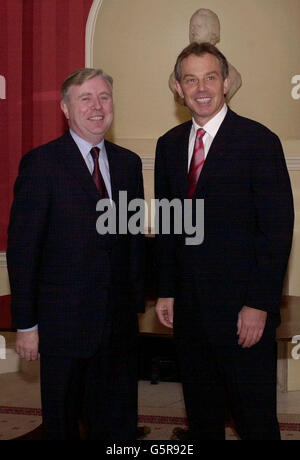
75 292
223 296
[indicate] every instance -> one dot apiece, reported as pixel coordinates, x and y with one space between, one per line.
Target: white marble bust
205 27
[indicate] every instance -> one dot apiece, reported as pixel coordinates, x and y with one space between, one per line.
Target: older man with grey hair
75 292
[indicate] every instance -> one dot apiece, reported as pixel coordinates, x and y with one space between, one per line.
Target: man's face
202 86
89 109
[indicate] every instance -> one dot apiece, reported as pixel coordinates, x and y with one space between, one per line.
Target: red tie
196 163
97 176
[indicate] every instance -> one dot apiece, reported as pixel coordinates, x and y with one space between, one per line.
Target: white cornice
293 163
148 162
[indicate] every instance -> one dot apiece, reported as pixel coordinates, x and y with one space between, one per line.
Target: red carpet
24 423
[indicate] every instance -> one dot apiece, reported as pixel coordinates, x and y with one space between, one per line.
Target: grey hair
79 76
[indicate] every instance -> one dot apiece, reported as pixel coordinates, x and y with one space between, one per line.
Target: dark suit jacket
248 223
63 274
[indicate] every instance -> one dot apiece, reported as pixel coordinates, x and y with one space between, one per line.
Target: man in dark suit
76 292
224 294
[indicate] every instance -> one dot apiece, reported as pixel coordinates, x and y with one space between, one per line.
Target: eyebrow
213 72
90 94
208 73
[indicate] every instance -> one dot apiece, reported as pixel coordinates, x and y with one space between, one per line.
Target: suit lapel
180 158
218 148
74 162
115 170
117 177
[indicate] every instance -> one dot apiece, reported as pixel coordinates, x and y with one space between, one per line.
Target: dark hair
79 76
199 49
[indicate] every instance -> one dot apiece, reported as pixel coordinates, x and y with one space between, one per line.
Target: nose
202 84
96 103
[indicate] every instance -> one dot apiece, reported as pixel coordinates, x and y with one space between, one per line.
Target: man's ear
226 85
178 89
64 108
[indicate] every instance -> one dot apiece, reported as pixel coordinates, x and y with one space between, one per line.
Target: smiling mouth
203 100
96 118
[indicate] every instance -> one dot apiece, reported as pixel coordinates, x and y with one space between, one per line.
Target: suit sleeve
274 213
26 231
165 243
137 254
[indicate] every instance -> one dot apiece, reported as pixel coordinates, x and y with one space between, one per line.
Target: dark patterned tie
97 176
196 163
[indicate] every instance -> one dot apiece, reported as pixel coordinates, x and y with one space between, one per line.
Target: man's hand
250 326
164 310
27 345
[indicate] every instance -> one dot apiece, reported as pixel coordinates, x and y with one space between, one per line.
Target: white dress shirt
211 128
85 148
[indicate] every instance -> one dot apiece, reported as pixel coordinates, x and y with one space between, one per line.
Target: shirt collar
213 125
85 146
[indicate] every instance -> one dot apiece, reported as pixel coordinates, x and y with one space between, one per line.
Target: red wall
41 42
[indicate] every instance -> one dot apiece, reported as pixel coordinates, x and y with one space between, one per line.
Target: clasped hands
250 324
